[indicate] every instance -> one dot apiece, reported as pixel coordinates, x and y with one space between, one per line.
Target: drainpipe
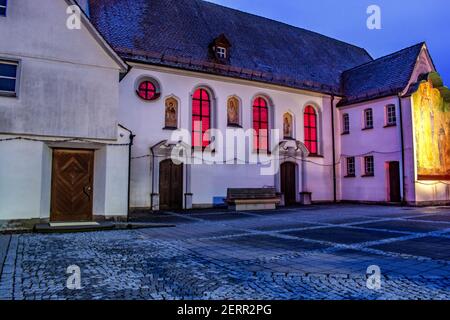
402 139
334 150
152 205
129 174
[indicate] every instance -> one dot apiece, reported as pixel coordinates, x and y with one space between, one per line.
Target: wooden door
170 185
288 183
394 181
72 185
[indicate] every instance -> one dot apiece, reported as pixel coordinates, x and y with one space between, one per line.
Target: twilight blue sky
404 23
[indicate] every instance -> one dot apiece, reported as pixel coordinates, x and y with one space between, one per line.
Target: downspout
334 151
402 139
153 179
129 174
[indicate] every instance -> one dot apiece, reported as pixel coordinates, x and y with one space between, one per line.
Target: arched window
201 118
260 125
288 126
233 112
171 113
310 117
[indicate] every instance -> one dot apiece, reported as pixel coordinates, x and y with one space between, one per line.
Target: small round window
148 89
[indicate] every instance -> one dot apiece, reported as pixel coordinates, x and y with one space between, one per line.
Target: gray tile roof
177 33
385 76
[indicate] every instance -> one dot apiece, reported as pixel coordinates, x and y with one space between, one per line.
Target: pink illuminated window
310 121
201 118
147 90
260 125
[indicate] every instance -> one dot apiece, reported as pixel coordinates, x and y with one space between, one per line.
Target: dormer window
221 52
220 49
3 7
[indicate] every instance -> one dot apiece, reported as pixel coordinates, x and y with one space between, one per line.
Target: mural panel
431 110
233 112
287 126
171 113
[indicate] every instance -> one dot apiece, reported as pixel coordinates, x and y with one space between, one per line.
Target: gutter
334 151
402 139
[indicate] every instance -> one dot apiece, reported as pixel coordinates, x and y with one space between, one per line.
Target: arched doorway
170 185
288 177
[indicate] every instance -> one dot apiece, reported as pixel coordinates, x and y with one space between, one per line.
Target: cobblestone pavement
317 252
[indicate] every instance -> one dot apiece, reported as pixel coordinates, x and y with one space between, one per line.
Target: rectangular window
369 166
221 52
8 77
391 116
3 7
346 124
351 167
368 119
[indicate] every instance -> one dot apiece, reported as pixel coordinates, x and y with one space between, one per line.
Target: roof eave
250 77
123 67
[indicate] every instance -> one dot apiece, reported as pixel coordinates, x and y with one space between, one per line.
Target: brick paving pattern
318 252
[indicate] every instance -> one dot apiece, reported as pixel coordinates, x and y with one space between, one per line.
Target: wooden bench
242 199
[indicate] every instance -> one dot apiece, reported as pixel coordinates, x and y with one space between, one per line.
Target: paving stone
431 247
4 242
407 226
343 235
439 217
235 256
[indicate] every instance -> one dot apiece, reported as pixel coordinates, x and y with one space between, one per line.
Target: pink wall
384 143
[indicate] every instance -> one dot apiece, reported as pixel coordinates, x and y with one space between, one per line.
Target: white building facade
63 156
206 184
315 118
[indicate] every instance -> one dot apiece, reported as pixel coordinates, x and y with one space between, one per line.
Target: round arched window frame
260 124
148 89
310 115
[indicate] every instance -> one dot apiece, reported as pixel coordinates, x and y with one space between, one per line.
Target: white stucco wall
68 83
146 119
68 86
384 143
21 166
26 174
111 178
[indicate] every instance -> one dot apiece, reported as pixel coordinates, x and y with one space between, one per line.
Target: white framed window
351 170
369 166
3 7
8 77
345 123
368 119
221 52
391 115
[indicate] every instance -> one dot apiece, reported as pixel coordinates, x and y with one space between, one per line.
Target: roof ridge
386 56
286 24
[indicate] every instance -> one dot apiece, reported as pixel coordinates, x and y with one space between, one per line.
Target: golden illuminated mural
233 111
171 113
431 109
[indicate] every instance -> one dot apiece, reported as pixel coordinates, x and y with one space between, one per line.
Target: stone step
100 226
69 228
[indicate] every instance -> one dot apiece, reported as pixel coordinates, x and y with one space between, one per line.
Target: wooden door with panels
72 185
170 185
394 182
288 183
